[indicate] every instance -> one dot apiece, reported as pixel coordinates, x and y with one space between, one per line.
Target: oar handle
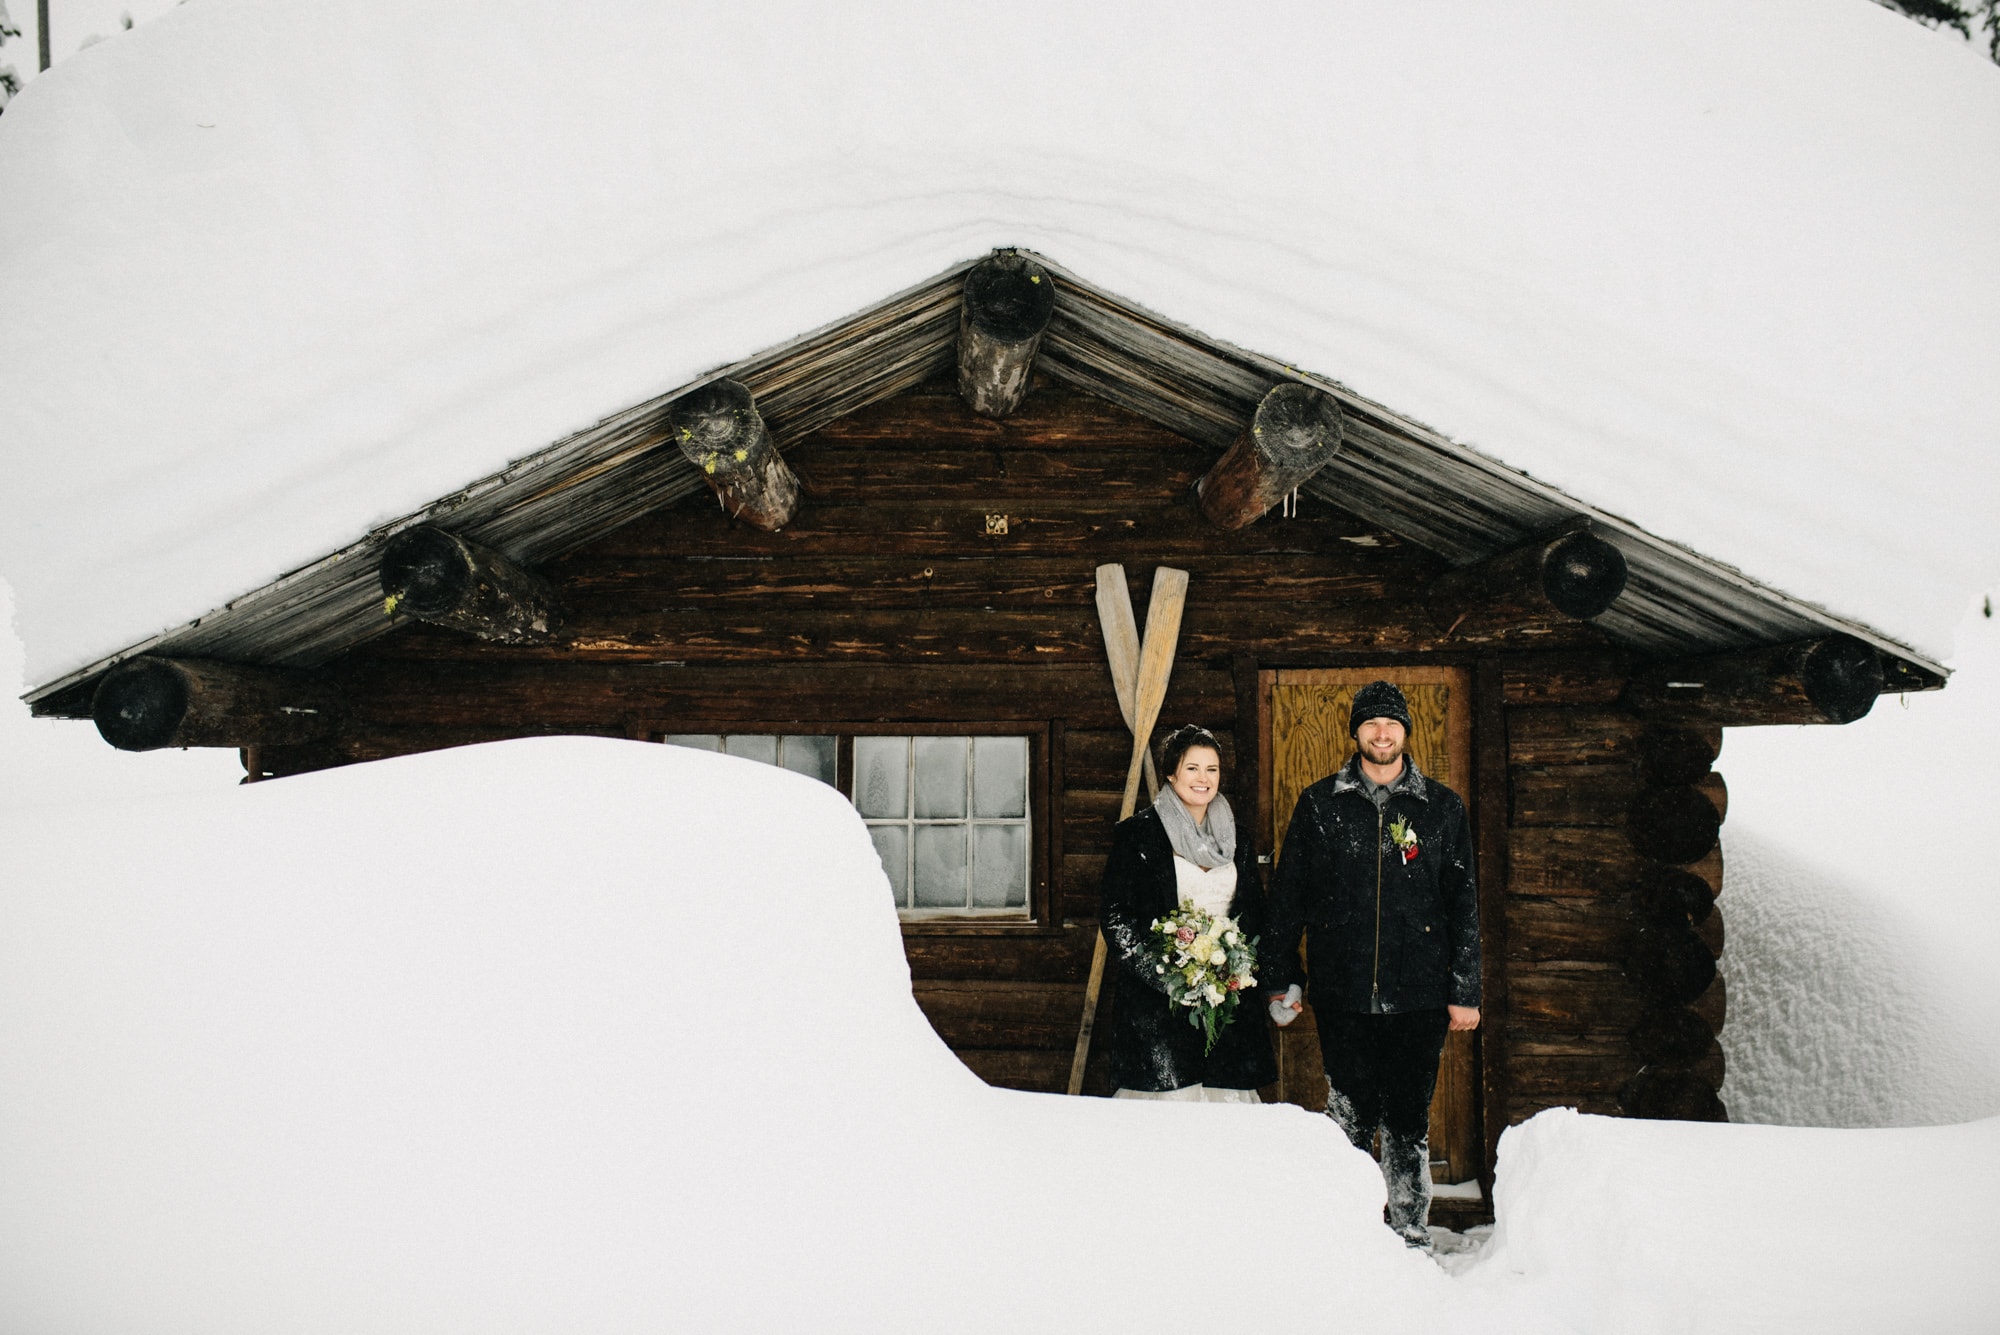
1141 753
1081 1058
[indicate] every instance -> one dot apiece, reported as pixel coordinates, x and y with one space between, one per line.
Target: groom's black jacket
1383 933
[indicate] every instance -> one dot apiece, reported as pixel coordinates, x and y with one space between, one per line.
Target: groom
1377 872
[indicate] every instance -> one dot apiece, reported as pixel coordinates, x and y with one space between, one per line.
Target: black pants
1385 1066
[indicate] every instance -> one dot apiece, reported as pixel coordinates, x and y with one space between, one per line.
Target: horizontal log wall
895 597
1589 917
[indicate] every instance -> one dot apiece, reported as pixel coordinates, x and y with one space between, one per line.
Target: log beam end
1672 1094
452 581
1576 576
720 431
139 705
1676 825
1835 679
1582 575
147 704
1296 431
1843 677
1008 303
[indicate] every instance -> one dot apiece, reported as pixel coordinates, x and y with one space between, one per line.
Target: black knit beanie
1378 699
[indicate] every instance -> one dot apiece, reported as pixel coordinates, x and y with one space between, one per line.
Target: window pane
892 844
764 750
882 776
810 756
999 866
940 867
941 777
1000 776
699 741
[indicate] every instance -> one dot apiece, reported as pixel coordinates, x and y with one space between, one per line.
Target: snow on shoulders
274 273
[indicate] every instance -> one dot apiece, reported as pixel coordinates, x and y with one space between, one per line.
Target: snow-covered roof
275 277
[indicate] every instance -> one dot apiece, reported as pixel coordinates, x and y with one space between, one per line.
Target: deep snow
278 272
569 1033
1861 899
576 1034
1621 1225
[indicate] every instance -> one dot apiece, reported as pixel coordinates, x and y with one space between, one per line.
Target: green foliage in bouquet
1205 963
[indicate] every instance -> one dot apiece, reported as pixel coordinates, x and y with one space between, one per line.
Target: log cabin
871 555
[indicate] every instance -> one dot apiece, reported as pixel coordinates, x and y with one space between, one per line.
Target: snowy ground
568 1034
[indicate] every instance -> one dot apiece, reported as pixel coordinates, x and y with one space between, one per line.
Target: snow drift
1846 1008
582 1035
277 273
1863 908
585 1034
1621 1225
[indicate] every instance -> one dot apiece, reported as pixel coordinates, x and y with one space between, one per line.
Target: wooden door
1304 725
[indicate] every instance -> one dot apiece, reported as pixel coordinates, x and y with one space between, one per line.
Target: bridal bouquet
1205 962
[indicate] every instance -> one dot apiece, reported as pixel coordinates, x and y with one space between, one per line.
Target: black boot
1406 1168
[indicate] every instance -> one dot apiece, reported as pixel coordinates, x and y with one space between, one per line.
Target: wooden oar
1149 690
1156 664
1121 647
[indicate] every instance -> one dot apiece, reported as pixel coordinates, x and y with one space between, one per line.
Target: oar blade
1156 651
1156 665
1121 634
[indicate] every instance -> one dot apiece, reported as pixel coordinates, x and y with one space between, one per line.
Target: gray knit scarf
1209 844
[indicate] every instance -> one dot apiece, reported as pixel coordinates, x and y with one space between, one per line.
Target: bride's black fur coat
1149 1042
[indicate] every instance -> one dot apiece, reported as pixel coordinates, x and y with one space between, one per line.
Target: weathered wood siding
895 598
1578 895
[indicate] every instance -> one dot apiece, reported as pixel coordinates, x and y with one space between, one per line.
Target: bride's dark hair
1180 741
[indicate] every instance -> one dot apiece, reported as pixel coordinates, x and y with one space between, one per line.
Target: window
952 816
949 817
814 757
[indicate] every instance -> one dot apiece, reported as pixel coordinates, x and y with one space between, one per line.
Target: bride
1181 851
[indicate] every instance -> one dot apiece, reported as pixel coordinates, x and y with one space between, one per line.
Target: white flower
1219 957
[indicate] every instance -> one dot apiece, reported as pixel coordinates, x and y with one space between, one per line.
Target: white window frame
910 823
1042 839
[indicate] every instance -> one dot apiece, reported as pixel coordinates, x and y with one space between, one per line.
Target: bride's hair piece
1179 742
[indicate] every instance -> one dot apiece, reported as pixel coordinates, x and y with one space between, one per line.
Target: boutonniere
1406 839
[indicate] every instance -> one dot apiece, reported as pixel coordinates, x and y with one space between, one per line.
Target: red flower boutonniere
1406 839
